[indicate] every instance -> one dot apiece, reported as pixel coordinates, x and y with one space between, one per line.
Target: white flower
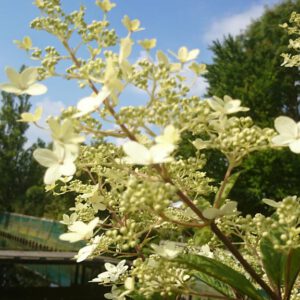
90 104
228 208
138 154
171 136
205 251
64 134
29 117
79 231
168 249
125 48
23 83
183 55
86 251
59 163
289 133
226 106
116 294
113 272
200 144
69 220
95 199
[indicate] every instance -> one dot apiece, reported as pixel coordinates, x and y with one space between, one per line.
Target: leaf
218 285
221 272
292 268
228 187
282 269
273 262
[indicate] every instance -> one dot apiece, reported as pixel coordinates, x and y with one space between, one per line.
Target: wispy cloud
233 24
50 108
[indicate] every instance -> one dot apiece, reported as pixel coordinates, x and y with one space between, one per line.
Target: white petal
89 104
137 153
70 237
10 88
36 89
45 157
92 224
68 168
160 153
13 76
228 208
85 252
211 213
29 76
281 140
78 226
193 54
286 126
271 202
215 105
110 267
52 174
232 106
295 146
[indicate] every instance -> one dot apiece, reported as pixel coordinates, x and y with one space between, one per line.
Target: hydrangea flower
69 220
86 251
95 199
168 249
138 154
79 231
183 55
113 272
170 136
32 118
90 104
228 208
289 133
227 106
23 83
64 134
59 163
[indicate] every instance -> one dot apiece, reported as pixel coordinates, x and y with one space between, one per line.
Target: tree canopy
247 67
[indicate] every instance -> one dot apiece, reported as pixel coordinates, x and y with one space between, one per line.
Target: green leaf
221 272
228 187
216 284
292 268
273 262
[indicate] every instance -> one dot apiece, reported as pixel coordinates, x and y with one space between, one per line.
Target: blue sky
175 23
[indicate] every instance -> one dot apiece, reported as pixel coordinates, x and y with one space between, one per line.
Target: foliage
19 171
147 202
247 67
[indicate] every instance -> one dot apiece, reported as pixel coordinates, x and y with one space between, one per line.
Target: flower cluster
141 189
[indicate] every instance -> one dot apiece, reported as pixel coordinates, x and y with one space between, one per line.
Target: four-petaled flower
138 154
79 231
227 106
86 251
289 133
59 163
23 83
91 103
113 272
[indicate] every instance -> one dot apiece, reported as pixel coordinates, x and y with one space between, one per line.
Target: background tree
18 170
247 67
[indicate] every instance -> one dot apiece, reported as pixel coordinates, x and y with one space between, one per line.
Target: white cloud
233 24
50 108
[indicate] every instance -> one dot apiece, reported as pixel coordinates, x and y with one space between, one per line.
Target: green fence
39 232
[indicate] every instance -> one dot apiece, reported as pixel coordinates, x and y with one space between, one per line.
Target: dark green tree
18 170
247 67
